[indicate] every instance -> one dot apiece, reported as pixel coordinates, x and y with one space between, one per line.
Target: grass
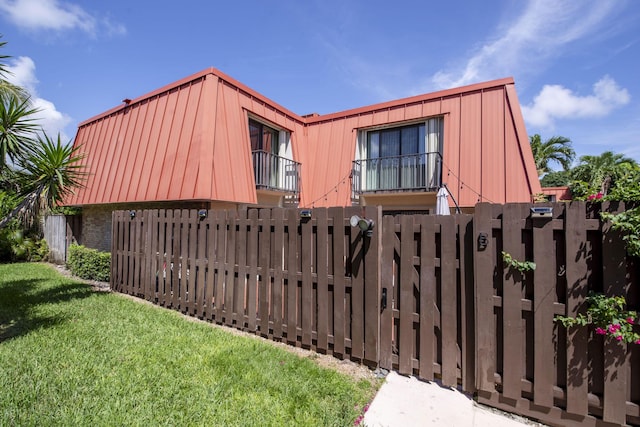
71 356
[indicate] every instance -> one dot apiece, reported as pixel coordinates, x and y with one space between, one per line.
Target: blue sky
576 64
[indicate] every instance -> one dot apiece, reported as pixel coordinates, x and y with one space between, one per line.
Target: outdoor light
365 225
483 241
541 212
305 213
132 214
202 214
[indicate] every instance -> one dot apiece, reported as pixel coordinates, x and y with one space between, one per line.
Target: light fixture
365 225
541 212
305 213
132 214
202 214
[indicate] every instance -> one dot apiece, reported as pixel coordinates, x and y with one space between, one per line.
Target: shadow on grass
20 301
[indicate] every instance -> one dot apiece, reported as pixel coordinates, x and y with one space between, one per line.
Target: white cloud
54 15
23 73
540 32
557 102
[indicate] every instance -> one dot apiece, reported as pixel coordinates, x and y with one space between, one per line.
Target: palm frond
18 127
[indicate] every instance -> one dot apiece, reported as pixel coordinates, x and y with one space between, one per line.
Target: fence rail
425 295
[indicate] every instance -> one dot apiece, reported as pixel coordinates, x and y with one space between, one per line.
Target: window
400 158
273 166
263 138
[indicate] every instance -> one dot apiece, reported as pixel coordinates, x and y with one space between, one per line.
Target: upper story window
273 165
263 137
399 158
395 141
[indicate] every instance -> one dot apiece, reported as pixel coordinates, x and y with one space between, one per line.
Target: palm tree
17 120
601 171
9 90
46 175
555 149
18 128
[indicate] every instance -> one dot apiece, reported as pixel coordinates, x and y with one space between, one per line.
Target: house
208 141
557 194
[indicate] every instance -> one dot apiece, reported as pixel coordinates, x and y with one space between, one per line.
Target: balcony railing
414 172
276 173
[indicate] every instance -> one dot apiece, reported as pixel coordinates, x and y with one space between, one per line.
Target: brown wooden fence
424 295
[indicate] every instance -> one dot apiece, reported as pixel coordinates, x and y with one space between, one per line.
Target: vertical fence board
387 286
406 285
245 263
252 282
322 270
372 286
139 258
467 299
277 265
230 282
307 308
183 238
127 259
355 310
512 324
264 295
292 276
338 280
485 331
163 287
428 296
201 267
220 258
175 257
577 289
151 246
449 303
616 355
543 312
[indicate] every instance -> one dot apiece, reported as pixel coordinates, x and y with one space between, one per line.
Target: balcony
414 172
276 173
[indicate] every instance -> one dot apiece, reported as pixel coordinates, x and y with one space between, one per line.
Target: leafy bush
609 316
89 264
15 245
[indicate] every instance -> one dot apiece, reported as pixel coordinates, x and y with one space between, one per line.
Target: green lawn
71 356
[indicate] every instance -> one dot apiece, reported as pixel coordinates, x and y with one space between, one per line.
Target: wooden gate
426 328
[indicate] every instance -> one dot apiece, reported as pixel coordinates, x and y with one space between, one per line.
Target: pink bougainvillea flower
591 197
630 320
638 342
619 337
599 196
601 331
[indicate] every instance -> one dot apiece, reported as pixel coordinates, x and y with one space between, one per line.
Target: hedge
89 264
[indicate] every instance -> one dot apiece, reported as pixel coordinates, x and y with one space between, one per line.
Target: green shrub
17 245
89 264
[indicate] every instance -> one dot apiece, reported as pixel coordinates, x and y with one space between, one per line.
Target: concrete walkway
408 402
